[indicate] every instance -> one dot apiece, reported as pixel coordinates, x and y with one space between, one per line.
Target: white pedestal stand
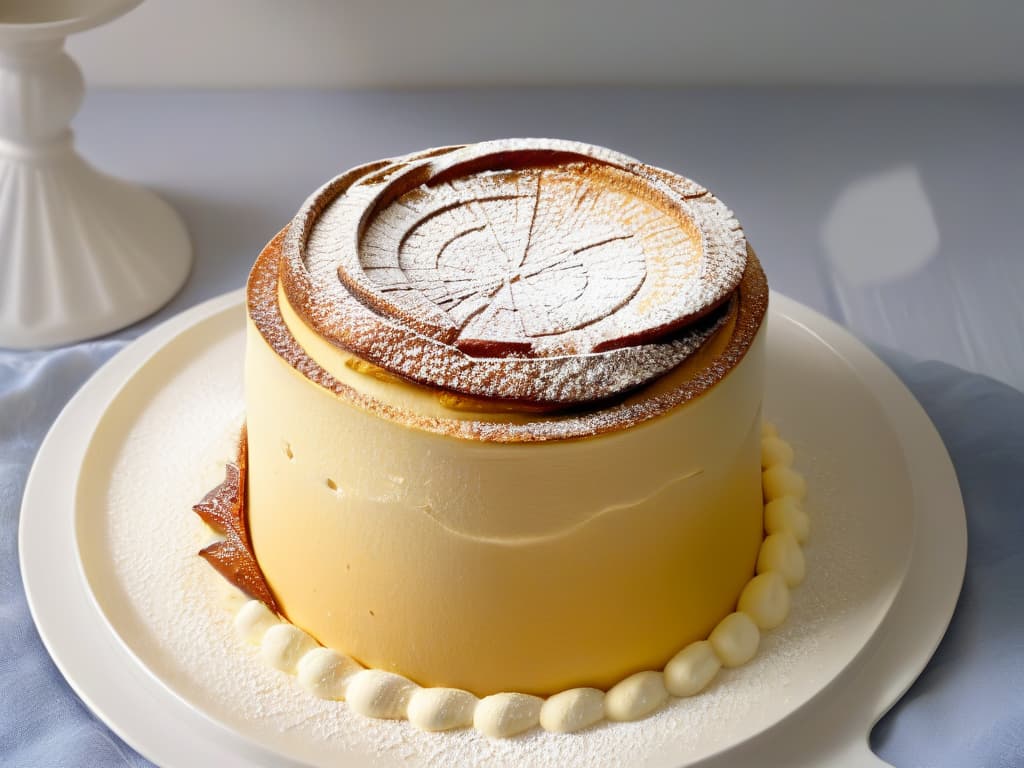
81 253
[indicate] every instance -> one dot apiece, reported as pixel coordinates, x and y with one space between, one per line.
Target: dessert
503 441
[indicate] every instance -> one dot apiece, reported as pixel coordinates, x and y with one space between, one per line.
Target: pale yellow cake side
493 566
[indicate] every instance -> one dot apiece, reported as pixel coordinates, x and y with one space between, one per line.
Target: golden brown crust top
749 305
543 272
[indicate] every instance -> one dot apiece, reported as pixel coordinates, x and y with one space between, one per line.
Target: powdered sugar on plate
176 423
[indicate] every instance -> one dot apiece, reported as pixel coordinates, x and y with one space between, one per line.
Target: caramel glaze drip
223 509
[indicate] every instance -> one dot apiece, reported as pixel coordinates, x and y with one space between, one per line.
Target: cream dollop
283 645
779 481
253 620
326 673
763 604
636 696
784 515
379 694
765 599
735 639
441 709
506 714
690 670
572 710
781 552
775 452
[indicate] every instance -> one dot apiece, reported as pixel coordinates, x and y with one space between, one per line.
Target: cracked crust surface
542 272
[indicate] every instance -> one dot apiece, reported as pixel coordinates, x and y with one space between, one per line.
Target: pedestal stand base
81 253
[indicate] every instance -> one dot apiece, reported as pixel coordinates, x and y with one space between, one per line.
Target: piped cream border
763 605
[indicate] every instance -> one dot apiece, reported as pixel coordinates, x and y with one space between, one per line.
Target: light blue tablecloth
802 169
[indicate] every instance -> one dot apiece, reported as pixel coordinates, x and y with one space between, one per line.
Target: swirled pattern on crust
536 271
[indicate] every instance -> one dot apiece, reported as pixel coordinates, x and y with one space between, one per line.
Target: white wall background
363 43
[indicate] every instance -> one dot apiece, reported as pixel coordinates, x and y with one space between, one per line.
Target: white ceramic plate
104 559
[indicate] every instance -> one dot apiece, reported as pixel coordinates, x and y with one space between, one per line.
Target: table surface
896 212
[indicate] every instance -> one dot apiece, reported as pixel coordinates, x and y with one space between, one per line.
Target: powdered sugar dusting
545 261
749 305
540 271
